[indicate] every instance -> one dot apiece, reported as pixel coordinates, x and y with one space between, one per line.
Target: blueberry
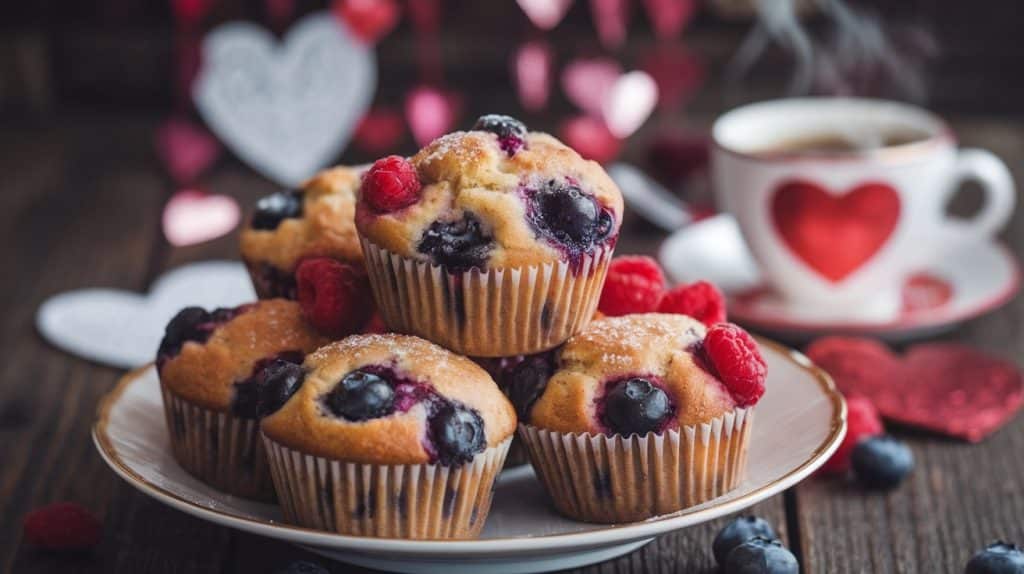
510 131
184 327
458 434
526 381
362 395
280 380
303 567
761 555
275 208
569 216
881 462
636 406
737 532
457 245
997 558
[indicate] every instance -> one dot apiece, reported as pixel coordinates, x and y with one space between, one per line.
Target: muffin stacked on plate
494 244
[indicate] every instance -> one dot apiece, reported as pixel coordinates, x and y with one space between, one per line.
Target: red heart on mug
835 234
943 387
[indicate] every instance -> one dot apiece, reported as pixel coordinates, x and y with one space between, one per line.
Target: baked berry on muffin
405 436
492 242
291 225
219 372
642 415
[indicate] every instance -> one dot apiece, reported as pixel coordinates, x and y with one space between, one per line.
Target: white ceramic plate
799 422
967 282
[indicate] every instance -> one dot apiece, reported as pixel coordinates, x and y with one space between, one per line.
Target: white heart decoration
123 329
629 103
192 216
545 14
287 110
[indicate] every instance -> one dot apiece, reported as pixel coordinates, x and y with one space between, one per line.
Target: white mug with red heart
839 199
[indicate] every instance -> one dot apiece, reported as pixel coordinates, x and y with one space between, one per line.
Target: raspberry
390 184
62 526
634 285
862 421
701 300
732 355
335 297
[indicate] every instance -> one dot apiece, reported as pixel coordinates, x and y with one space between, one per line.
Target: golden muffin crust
469 172
653 345
205 373
326 228
304 424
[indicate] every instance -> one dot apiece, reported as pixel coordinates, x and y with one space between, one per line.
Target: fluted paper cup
218 448
614 479
421 501
492 313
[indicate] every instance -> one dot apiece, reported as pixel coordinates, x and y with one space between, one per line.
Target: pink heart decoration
190 12
531 66
279 12
380 130
590 137
430 113
669 17
545 14
611 18
629 103
587 82
677 72
186 149
192 216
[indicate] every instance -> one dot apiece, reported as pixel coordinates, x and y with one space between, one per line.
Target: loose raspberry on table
335 297
390 184
700 300
635 284
732 355
862 422
62 526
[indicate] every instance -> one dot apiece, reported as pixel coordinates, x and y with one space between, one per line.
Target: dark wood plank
960 496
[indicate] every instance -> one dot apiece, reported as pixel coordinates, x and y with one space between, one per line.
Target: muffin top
218 359
497 196
392 399
640 373
315 220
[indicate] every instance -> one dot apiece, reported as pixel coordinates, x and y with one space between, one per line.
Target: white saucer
969 282
799 422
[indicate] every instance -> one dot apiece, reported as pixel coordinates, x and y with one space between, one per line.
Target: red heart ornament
611 17
668 17
677 71
370 20
947 388
587 82
186 149
591 138
380 130
835 234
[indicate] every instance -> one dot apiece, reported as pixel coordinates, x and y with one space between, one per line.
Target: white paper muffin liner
492 313
423 501
218 448
613 479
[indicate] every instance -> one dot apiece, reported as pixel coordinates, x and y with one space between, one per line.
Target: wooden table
80 206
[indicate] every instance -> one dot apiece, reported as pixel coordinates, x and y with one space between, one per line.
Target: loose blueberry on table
881 462
510 131
737 532
761 555
997 558
275 208
636 406
457 245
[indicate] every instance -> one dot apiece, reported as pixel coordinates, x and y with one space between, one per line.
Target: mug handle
988 170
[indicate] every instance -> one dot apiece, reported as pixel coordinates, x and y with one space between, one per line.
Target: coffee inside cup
832 142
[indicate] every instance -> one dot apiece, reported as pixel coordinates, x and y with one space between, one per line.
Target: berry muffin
219 372
389 436
291 225
642 415
492 242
